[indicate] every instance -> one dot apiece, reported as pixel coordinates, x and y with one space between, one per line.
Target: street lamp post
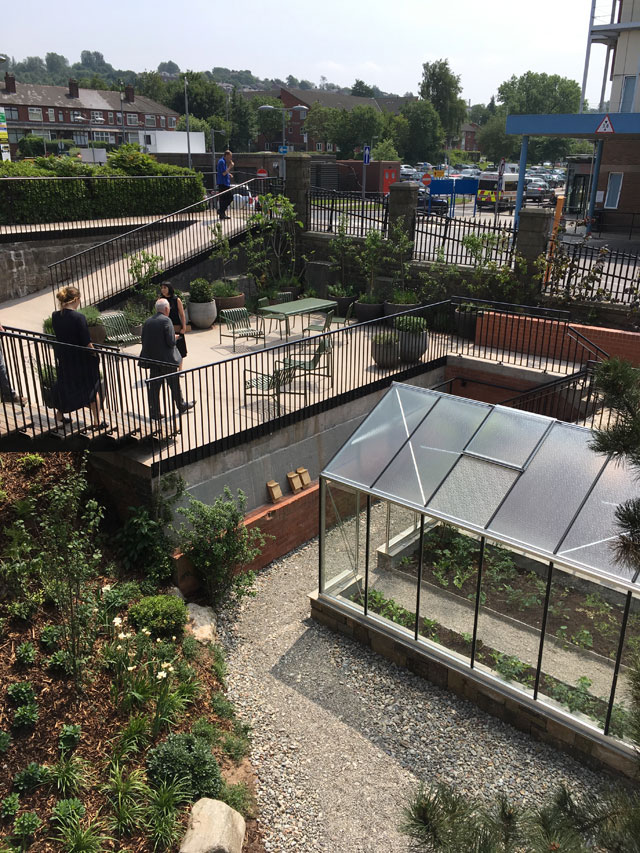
186 109
284 110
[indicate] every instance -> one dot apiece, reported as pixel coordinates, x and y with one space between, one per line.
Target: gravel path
342 736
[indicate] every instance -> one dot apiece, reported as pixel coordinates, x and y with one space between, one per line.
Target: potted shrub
344 296
97 331
226 295
465 319
401 300
288 284
202 306
413 338
385 349
135 314
368 306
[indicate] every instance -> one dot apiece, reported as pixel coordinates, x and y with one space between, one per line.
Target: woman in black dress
177 316
78 380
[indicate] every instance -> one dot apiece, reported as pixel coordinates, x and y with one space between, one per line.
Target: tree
306 84
151 84
58 67
319 122
268 122
396 129
384 150
205 98
361 89
493 141
196 125
169 67
292 82
442 87
243 122
534 94
479 114
425 137
351 130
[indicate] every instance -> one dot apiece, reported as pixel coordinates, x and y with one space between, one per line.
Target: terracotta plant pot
224 302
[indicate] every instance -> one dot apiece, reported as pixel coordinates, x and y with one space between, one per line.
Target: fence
102 272
326 209
580 271
43 205
466 242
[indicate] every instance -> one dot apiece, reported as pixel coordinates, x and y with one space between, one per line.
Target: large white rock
214 827
202 623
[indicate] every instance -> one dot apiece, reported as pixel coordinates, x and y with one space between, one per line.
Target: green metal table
298 306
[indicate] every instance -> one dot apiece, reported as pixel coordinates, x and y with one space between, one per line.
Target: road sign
426 179
366 155
282 149
501 168
261 173
605 126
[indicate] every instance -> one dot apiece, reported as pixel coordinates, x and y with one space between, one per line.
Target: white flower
161 674
170 668
117 621
130 668
165 665
174 639
118 648
106 587
159 640
122 636
146 631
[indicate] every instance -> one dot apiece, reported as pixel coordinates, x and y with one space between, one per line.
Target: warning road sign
605 126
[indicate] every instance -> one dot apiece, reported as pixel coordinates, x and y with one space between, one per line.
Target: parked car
407 173
428 203
538 190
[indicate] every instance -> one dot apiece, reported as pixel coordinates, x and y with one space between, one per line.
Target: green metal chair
263 305
238 323
319 363
271 385
320 327
284 296
117 329
346 320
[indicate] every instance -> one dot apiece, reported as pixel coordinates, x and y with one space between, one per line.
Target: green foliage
25 827
9 806
190 647
61 663
385 338
144 546
126 791
224 289
74 837
238 797
92 315
209 732
221 706
219 664
237 744
134 737
425 136
218 544
163 615
186 759
65 811
272 245
143 268
384 150
21 692
201 290
371 258
5 742
69 775
26 654
26 716
31 462
442 88
162 817
30 778
69 737
510 667
222 250
413 325
397 254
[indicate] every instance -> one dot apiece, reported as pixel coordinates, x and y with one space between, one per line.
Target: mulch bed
59 702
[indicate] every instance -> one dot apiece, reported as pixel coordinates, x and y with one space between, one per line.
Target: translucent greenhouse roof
523 479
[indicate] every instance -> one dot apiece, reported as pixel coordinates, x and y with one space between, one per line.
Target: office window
163 121
318 146
172 121
11 113
149 121
628 94
132 118
614 186
52 114
35 113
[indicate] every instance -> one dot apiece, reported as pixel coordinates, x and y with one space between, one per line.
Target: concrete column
403 200
298 183
533 235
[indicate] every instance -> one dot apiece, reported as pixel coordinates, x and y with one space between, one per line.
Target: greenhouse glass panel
380 436
510 615
394 541
448 589
344 535
584 542
620 716
416 473
473 490
581 641
549 492
450 424
509 436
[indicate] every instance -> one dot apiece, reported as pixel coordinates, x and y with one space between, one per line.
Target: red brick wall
537 336
290 522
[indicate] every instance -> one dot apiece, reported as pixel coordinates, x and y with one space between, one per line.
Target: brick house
467 140
84 115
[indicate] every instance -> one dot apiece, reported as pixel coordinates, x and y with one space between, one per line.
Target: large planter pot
465 323
386 355
365 311
343 304
202 315
225 302
391 308
412 346
98 334
136 329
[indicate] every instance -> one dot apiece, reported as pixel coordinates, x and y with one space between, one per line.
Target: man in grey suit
159 344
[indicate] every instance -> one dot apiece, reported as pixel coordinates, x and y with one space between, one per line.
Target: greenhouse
481 536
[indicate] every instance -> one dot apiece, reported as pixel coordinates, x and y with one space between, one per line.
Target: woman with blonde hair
78 380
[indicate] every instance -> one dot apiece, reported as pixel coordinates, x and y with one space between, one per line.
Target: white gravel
341 736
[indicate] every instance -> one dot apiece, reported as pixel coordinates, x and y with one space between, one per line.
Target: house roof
525 480
36 95
332 99
394 103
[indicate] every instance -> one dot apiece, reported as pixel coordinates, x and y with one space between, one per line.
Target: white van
488 190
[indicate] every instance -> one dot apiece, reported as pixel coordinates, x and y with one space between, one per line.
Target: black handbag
181 345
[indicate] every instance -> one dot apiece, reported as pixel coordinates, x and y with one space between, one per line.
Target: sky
382 43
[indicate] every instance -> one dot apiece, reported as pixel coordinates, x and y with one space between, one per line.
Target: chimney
73 89
129 93
9 84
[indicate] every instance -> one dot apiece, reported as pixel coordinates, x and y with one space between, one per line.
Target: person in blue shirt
223 180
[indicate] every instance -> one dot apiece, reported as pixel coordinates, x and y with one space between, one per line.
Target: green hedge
90 195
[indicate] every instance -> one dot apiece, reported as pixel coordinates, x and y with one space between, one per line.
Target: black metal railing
465 242
45 206
327 208
584 272
102 272
244 396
